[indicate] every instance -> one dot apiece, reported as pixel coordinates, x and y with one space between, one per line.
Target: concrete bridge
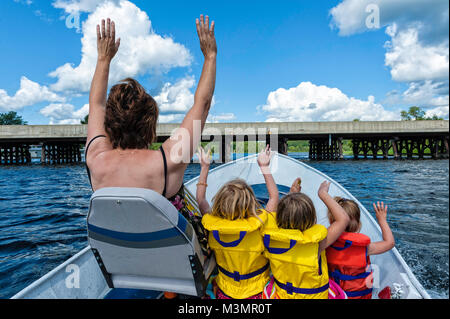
61 143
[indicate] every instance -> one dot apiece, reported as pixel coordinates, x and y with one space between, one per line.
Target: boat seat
141 241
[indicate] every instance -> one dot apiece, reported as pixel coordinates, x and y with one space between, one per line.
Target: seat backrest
141 241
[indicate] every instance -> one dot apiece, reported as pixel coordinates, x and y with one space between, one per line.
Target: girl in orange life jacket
234 223
300 271
348 258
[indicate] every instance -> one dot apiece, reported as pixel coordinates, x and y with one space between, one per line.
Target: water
43 214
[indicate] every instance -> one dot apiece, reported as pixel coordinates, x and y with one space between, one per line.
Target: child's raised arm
202 179
264 164
341 218
388 241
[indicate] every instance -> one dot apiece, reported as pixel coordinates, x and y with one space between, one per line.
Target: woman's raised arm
185 140
107 47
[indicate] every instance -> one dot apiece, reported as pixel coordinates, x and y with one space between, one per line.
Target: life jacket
298 270
239 252
349 265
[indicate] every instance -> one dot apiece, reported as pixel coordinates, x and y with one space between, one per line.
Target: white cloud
176 98
29 93
76 6
309 102
418 52
441 112
350 16
141 50
61 113
409 60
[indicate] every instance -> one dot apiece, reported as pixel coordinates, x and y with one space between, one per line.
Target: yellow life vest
239 251
298 270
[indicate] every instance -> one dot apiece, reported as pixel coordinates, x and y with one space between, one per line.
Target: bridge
61 143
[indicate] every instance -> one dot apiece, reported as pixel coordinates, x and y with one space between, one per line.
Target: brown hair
235 200
352 210
296 211
130 116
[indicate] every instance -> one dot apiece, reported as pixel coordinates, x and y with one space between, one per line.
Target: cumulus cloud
76 6
141 50
310 102
62 113
410 60
176 98
418 52
350 16
29 93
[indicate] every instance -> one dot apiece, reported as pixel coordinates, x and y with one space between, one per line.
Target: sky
278 61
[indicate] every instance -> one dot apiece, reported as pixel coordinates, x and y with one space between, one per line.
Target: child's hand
296 186
380 211
323 189
204 157
264 157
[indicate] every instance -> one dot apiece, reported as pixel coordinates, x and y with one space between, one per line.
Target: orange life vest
349 265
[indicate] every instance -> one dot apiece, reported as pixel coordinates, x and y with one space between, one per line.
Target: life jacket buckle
237 276
289 288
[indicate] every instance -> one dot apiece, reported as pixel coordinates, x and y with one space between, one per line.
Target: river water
43 214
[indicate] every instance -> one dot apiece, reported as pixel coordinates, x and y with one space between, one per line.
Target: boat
81 277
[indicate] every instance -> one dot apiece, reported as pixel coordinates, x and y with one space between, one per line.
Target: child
234 224
348 258
300 270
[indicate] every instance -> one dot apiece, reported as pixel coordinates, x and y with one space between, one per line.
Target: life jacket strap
238 277
277 251
337 275
347 244
306 291
358 293
230 244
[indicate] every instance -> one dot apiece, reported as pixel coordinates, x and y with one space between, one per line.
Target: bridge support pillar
282 145
325 149
14 153
60 152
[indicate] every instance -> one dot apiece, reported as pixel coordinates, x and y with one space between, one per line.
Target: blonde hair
352 210
235 200
296 211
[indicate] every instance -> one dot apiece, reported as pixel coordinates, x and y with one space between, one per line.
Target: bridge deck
290 130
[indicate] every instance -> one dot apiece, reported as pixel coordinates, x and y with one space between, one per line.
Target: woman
122 127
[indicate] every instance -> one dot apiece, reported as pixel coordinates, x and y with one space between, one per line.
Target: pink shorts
221 295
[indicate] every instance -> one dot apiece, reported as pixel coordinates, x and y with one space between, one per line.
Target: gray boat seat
141 241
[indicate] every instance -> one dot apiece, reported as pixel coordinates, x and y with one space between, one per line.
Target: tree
85 120
11 118
417 114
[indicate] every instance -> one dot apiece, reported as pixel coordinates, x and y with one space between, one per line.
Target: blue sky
277 61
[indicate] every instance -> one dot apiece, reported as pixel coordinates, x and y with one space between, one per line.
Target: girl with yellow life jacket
348 258
295 245
234 223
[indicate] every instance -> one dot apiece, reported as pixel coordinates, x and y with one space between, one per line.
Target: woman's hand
380 211
323 189
206 36
107 46
296 186
204 157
